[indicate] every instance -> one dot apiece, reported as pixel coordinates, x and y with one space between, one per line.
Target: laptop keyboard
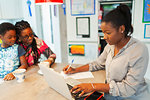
69 86
75 95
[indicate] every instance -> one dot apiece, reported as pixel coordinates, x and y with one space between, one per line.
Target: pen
70 64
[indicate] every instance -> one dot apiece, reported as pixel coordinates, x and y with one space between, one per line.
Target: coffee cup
20 75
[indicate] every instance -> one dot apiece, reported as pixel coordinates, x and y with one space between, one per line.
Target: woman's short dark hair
120 16
4 27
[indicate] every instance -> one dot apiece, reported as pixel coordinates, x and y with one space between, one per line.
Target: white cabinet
11 9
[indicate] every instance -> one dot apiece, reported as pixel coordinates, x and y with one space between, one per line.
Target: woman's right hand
70 70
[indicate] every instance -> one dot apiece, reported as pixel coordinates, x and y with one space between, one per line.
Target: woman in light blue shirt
125 60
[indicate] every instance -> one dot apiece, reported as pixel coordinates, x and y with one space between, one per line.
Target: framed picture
146 11
82 7
147 31
76 50
83 27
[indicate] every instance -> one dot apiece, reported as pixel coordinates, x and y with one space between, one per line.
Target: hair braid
22 25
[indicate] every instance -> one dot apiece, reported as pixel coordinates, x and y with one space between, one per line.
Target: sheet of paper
80 75
83 26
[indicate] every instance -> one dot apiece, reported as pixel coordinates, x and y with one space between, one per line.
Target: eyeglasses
27 36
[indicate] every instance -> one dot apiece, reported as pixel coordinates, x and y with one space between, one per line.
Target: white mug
19 74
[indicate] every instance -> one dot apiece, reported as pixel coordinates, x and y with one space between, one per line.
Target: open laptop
57 82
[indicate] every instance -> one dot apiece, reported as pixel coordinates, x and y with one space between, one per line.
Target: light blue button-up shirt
125 71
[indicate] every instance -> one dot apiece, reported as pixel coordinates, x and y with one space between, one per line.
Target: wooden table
36 88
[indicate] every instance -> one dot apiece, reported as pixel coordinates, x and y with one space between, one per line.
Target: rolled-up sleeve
99 63
134 79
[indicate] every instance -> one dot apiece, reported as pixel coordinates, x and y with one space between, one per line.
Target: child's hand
9 76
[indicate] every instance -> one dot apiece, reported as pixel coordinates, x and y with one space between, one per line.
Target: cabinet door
11 9
0 9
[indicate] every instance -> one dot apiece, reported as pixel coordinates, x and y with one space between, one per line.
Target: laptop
58 83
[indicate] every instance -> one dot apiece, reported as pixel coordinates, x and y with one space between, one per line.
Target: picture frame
83 27
146 11
76 49
82 7
147 31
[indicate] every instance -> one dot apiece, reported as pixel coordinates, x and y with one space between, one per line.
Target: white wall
34 19
51 25
46 25
91 43
63 35
56 33
139 28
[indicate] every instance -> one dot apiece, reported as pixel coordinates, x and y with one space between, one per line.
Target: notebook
58 83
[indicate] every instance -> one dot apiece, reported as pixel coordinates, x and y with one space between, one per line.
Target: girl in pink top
34 46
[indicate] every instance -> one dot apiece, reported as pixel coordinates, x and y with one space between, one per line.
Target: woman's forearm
23 67
23 62
101 87
83 68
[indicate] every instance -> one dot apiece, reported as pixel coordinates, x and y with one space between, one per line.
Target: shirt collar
130 42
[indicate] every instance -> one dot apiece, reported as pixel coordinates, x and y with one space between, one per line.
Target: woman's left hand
50 60
9 76
84 88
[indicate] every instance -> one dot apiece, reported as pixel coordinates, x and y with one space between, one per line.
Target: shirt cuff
90 67
113 89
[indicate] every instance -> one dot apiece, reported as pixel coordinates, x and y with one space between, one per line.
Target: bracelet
92 85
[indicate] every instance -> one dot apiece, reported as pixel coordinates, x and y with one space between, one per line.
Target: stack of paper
79 75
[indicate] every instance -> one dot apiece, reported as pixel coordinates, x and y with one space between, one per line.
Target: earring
121 31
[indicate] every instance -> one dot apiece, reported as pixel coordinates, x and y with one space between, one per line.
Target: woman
34 46
125 60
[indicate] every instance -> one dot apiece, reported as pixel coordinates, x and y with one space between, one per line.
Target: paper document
79 75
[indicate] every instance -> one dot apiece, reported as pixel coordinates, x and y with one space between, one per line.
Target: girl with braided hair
32 44
124 58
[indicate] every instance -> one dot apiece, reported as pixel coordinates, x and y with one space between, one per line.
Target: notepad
80 75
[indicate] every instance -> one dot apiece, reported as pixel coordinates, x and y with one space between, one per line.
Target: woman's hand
84 88
70 70
9 76
50 60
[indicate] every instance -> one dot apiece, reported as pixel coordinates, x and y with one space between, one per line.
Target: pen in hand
70 64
